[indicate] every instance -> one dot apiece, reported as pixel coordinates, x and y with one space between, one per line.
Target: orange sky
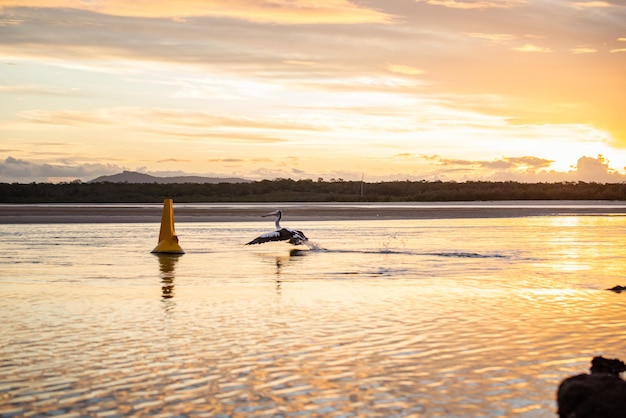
386 89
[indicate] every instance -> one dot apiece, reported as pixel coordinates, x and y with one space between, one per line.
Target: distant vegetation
287 190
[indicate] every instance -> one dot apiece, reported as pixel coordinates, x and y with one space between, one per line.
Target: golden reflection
568 241
564 221
167 264
281 261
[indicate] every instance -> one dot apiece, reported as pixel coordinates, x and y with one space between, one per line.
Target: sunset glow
262 89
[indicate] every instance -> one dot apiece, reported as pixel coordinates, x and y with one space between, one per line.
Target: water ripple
420 324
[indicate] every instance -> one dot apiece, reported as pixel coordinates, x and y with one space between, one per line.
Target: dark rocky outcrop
618 289
600 394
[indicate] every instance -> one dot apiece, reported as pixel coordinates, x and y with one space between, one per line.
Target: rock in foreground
600 394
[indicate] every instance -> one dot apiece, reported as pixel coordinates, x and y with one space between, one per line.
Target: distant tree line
288 190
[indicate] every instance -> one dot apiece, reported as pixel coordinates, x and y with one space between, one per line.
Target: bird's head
275 213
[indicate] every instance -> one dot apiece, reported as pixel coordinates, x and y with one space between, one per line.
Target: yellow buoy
168 241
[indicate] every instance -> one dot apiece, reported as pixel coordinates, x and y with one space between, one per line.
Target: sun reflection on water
438 318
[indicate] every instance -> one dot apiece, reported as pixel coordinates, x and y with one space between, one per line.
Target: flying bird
280 234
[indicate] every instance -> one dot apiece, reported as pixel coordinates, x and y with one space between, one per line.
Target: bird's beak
269 214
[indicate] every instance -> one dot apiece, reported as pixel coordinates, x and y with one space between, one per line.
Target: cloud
494 37
532 48
173 160
212 79
301 63
477 4
404 155
240 160
404 69
16 170
32 90
226 160
505 163
176 123
67 117
591 4
23 171
529 162
283 12
8 20
597 170
529 169
583 50
523 169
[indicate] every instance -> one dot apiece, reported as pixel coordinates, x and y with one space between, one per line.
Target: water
432 318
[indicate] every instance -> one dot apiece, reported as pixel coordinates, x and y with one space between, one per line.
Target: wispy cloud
404 69
68 117
334 82
283 12
240 160
532 48
494 37
34 90
173 160
152 118
591 4
505 163
477 4
619 49
583 50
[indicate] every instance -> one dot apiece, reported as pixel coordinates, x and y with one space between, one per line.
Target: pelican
280 234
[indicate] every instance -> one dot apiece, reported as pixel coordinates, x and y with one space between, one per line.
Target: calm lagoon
464 317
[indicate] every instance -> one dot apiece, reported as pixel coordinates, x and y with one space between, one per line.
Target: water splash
314 246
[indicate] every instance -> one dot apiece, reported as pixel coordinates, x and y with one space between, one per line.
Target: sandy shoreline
149 213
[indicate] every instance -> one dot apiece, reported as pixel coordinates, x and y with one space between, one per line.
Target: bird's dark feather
283 234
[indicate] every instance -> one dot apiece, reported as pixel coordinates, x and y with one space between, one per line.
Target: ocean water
411 318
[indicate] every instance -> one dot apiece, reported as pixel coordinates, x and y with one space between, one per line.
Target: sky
380 90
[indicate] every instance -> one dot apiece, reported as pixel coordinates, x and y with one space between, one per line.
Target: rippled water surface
433 318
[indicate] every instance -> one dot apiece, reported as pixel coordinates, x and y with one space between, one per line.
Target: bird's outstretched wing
278 235
297 237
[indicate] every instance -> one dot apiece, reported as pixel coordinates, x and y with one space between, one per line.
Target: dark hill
134 177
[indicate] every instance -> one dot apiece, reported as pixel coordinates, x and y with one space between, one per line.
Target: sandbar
236 212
